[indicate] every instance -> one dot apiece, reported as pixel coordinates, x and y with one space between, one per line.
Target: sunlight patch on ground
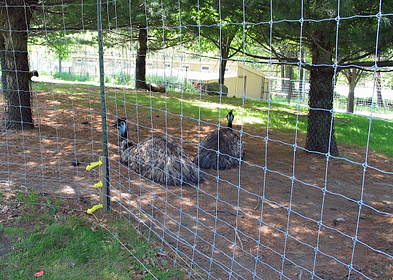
247 118
210 105
215 105
68 190
251 119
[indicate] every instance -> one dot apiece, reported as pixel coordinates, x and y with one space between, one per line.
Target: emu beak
115 124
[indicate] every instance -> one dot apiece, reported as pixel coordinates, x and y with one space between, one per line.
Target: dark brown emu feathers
231 148
159 158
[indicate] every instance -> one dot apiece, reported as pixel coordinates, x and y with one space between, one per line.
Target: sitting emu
231 148
160 159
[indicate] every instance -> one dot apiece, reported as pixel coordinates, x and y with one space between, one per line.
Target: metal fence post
105 164
104 194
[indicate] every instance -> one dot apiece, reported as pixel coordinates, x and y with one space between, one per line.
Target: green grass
350 129
76 248
354 130
209 108
14 231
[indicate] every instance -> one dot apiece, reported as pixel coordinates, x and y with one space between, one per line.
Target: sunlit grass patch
77 248
257 114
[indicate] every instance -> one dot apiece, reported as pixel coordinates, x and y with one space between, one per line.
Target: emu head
230 118
121 125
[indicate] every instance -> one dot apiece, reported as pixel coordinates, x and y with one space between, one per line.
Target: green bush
123 79
72 77
215 88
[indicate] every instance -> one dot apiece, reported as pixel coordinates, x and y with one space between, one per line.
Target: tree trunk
301 83
320 131
3 78
353 76
60 60
351 93
282 69
288 81
223 64
140 66
15 66
379 89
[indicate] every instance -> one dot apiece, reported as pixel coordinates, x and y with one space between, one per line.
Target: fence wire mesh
311 199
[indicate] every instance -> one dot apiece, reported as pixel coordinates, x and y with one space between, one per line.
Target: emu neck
230 125
123 135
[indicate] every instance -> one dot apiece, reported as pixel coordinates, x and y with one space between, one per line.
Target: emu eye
122 123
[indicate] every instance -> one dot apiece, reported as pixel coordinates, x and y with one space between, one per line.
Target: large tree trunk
320 131
15 66
140 65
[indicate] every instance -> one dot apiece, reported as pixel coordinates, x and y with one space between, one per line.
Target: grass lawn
350 129
67 244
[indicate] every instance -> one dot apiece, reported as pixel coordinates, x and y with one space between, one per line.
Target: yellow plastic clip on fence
98 185
93 164
94 208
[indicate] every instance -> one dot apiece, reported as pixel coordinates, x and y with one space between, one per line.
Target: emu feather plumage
159 158
226 142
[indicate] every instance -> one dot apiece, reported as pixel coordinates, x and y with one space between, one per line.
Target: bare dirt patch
282 213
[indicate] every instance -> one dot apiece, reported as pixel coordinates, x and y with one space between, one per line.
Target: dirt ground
283 214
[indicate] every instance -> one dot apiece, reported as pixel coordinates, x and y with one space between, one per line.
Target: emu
159 158
230 148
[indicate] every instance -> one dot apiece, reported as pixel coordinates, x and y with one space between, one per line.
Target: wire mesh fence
310 199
